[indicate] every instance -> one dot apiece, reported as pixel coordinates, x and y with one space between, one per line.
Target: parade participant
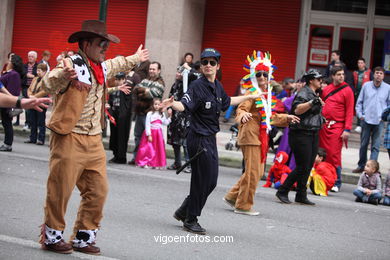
255 118
303 137
204 100
278 172
338 113
77 155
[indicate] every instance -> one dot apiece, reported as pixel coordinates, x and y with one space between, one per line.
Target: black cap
312 74
210 53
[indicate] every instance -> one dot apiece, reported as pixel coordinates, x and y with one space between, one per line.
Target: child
278 172
386 191
151 152
369 185
322 176
37 118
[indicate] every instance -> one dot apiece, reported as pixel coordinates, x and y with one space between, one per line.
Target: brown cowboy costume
77 155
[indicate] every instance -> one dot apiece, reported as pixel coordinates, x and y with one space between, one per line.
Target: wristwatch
19 102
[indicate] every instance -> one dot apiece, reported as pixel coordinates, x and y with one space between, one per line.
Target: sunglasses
260 73
104 44
205 62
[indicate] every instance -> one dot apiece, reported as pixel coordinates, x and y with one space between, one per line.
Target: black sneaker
282 197
358 199
173 167
29 142
194 227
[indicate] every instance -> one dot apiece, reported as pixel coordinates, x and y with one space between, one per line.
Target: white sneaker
358 129
25 128
334 189
247 212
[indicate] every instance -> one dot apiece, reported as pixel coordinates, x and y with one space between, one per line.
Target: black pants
204 173
119 136
139 128
38 128
304 145
6 121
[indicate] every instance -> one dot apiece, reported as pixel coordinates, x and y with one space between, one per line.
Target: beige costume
243 192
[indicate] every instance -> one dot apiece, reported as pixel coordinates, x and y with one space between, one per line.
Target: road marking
36 245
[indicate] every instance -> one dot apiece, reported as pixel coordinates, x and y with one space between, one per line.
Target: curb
347 176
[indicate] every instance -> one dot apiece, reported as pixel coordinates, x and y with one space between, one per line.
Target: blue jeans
38 128
369 131
365 198
229 111
386 200
338 181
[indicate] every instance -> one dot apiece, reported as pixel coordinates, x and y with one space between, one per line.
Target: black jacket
312 119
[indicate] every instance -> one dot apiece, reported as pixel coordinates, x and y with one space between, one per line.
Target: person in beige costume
77 156
252 136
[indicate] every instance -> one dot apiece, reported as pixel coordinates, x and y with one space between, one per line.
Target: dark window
345 6
382 7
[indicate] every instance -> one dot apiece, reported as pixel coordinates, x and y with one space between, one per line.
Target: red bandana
97 71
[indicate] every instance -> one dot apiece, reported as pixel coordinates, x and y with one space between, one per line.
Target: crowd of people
314 115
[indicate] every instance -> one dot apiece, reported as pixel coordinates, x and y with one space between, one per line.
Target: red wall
236 28
46 25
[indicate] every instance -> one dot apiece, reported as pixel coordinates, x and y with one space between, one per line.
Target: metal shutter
236 28
45 25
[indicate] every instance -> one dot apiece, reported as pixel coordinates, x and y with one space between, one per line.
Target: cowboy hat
92 28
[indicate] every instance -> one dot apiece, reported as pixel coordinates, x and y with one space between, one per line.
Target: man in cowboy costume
77 155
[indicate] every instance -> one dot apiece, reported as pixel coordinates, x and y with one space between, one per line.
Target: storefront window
382 7
345 6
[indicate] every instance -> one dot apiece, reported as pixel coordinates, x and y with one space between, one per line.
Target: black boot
282 195
181 213
191 225
301 197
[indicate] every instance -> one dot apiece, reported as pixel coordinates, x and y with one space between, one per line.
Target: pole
103 10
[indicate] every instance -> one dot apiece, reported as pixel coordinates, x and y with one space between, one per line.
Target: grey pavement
138 222
233 158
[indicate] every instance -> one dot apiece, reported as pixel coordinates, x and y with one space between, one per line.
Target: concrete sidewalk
233 158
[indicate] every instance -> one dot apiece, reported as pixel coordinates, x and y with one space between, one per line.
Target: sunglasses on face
262 73
104 44
205 62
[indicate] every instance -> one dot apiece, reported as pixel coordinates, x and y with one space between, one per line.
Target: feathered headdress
260 61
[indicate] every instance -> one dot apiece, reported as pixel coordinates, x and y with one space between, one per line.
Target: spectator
179 126
4 70
38 129
149 88
334 57
323 175
151 151
373 99
31 72
239 92
188 59
278 172
386 117
369 185
338 113
386 191
12 80
45 59
59 59
360 76
288 87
